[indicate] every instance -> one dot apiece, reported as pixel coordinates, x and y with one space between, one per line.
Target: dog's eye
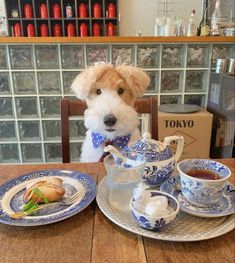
120 91
98 91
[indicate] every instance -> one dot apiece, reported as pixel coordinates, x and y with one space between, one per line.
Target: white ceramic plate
184 228
12 191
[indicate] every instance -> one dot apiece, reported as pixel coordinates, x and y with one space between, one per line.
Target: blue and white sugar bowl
160 158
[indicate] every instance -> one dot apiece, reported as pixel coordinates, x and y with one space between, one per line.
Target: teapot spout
117 155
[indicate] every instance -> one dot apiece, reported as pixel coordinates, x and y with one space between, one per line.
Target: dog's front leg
89 152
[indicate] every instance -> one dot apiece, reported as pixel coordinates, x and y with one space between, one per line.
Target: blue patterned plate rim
72 181
226 205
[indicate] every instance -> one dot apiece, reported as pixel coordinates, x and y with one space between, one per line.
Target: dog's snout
110 120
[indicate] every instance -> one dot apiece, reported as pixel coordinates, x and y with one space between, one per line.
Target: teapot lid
151 149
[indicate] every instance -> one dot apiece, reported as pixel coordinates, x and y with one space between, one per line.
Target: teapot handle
180 145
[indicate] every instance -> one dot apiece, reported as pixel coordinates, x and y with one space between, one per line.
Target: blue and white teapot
160 158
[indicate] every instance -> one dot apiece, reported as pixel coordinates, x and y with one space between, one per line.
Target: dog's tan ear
135 78
83 83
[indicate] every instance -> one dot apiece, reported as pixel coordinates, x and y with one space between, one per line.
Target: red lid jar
110 29
111 10
82 11
17 30
43 30
57 32
96 30
30 30
28 12
43 11
97 10
70 30
56 11
83 30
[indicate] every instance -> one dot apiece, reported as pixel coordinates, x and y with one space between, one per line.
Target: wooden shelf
62 22
117 40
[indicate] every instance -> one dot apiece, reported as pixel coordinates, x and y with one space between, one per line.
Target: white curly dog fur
110 93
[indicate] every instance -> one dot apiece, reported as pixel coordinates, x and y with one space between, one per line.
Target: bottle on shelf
216 20
56 11
204 25
83 30
170 26
28 12
97 10
82 11
17 30
43 11
43 30
110 29
96 30
180 27
160 25
71 30
30 30
57 32
111 10
69 11
192 27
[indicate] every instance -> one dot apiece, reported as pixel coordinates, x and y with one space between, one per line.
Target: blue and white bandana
120 141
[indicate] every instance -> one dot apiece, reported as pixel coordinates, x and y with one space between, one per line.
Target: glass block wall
34 77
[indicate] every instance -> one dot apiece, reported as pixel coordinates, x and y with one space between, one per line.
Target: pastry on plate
44 191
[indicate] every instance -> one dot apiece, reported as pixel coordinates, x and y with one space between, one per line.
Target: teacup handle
180 145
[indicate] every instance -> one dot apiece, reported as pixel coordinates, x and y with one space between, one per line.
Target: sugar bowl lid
153 150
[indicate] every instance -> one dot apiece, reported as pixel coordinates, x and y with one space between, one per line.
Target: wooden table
90 237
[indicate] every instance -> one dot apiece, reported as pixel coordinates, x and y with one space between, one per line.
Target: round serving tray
179 108
184 228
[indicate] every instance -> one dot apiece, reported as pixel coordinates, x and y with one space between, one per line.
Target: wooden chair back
77 108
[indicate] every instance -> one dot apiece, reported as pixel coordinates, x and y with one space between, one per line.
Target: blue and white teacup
203 181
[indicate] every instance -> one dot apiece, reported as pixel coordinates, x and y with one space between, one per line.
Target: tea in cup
122 179
203 181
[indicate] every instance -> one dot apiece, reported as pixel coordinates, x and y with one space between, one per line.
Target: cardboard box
195 127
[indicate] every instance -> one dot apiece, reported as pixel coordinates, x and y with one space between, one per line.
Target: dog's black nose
110 120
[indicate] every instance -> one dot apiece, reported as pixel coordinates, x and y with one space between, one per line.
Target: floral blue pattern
152 151
202 192
54 214
225 206
155 224
160 160
156 175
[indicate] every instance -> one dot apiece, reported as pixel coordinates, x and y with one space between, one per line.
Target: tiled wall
34 77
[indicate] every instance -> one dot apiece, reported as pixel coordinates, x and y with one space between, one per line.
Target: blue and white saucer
73 181
226 205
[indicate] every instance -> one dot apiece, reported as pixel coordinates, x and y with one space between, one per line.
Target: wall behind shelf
140 15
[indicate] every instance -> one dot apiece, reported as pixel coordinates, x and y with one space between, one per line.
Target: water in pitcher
123 180
121 190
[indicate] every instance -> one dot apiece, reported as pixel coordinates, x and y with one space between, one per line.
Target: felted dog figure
110 93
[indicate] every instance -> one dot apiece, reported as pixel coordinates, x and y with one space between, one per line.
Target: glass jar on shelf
170 26
159 27
192 27
180 27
